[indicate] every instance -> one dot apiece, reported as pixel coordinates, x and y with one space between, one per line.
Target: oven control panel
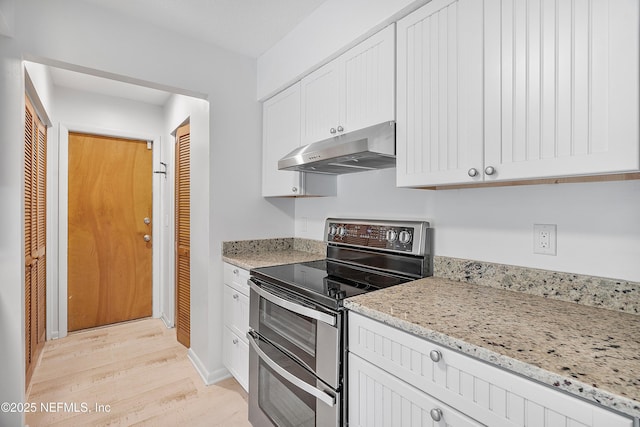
406 237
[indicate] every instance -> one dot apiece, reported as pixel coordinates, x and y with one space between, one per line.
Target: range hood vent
366 149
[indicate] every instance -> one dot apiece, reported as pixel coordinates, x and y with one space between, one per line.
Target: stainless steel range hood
366 149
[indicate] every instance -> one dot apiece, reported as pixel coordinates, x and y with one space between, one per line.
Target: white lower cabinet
399 379
235 347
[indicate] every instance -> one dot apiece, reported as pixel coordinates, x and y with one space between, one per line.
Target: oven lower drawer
283 393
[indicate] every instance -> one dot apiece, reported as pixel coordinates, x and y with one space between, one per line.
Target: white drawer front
377 398
236 277
484 392
236 311
235 354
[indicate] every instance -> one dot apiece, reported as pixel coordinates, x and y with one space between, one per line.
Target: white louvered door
561 87
439 124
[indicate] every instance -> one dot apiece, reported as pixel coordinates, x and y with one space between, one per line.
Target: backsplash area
611 294
272 245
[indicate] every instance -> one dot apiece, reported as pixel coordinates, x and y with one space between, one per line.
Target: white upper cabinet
281 135
561 87
503 90
352 92
439 124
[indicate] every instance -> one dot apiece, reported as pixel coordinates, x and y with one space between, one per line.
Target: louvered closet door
183 262
35 204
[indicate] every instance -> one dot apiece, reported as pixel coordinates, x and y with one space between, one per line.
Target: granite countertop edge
570 385
253 260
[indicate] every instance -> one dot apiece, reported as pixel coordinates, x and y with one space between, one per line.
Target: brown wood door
35 215
183 245
109 261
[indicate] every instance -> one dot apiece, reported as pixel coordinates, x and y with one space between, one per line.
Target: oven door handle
292 306
315 392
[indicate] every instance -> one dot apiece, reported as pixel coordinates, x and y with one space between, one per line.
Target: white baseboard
167 322
207 377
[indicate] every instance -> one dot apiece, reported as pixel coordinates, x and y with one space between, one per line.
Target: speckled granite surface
587 351
600 292
250 254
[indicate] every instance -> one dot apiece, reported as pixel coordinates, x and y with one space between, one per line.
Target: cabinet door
236 312
561 87
439 122
320 98
368 97
281 135
235 356
377 398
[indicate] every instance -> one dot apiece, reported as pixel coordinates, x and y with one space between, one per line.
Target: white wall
597 223
103 41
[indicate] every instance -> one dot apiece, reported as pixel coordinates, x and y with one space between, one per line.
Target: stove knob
341 295
392 235
404 237
333 292
342 231
332 230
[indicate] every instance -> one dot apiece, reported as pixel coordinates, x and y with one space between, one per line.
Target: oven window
283 403
287 328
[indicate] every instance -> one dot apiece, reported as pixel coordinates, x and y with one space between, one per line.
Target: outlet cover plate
544 239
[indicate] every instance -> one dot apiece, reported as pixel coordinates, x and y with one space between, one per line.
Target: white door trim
62 198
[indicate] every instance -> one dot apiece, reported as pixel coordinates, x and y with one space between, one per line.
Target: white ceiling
249 27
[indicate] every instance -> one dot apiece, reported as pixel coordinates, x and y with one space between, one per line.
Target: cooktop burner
326 282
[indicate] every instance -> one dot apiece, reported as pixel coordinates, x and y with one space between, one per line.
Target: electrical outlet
544 239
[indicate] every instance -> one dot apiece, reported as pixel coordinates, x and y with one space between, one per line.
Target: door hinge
149 145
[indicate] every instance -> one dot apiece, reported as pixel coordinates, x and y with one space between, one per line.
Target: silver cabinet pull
292 306
490 170
473 172
315 392
332 130
294 189
436 414
236 271
146 238
235 341
340 129
435 355
235 296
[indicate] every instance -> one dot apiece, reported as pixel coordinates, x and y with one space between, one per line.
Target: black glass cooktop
326 282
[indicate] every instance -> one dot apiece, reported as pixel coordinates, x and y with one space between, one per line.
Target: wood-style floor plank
139 372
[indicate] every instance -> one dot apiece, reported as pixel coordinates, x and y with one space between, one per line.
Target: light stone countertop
267 259
587 351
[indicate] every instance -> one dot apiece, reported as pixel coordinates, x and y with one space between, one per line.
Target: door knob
147 220
146 238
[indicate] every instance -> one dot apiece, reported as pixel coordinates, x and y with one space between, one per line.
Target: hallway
134 373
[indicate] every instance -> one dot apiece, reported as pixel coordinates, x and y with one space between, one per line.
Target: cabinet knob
435 355
473 172
294 189
340 129
235 271
235 341
235 296
436 414
490 170
332 130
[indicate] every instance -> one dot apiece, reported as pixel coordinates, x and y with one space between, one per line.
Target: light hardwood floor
140 371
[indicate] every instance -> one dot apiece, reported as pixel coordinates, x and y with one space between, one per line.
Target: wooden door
561 88
183 227
439 123
35 209
109 260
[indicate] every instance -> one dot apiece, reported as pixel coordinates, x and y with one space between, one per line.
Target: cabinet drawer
486 393
235 354
236 311
236 277
378 398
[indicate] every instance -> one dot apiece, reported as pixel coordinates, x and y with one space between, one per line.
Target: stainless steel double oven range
297 321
